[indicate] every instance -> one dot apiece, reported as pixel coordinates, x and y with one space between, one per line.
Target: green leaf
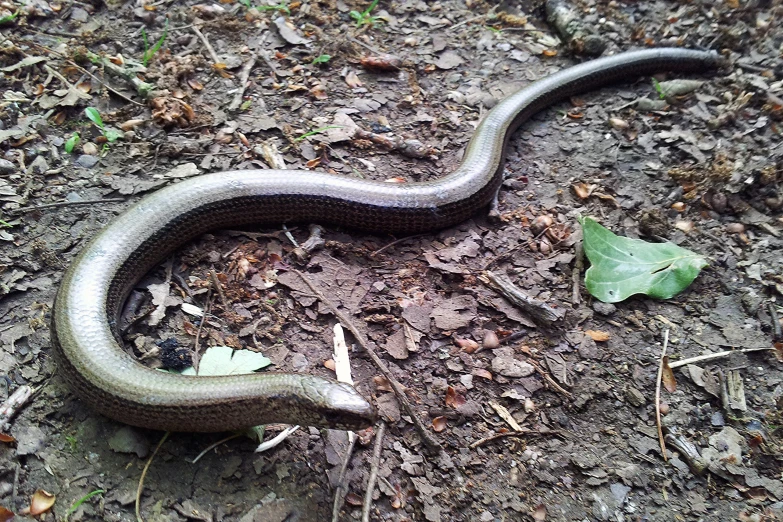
112 135
94 116
72 142
224 360
321 59
621 267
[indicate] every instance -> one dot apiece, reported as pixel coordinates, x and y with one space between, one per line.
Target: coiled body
95 286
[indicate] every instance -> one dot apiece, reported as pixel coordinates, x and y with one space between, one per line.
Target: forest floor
245 86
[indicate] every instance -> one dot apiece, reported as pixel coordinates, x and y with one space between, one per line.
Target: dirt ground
701 169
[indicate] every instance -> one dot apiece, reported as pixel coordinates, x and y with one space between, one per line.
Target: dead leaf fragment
5 514
6 438
41 502
667 377
454 399
539 513
598 336
352 79
439 424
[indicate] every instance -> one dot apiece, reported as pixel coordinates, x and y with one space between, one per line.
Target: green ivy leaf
112 135
224 360
621 267
94 116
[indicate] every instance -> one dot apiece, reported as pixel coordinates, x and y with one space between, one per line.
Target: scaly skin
95 286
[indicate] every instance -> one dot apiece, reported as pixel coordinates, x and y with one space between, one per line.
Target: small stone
86 161
635 397
604 308
6 167
129 440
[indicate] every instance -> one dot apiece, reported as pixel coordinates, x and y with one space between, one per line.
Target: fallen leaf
382 383
439 424
353 499
598 335
454 399
5 514
621 266
6 438
329 363
667 377
539 513
583 190
484 374
224 360
41 502
352 79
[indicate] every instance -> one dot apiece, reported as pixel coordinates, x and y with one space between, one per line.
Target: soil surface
307 85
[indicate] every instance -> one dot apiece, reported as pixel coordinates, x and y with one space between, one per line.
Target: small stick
523 433
206 43
25 210
709 356
144 474
376 461
215 445
428 440
339 493
216 282
243 76
658 395
777 334
538 309
11 405
549 379
579 264
396 241
195 357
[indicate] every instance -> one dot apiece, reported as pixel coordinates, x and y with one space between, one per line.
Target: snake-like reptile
86 342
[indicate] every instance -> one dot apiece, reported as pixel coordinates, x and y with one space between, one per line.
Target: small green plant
149 53
282 7
317 131
72 142
364 18
324 58
111 135
5 224
659 89
72 441
10 18
81 501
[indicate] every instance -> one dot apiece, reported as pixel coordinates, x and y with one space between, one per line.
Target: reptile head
338 406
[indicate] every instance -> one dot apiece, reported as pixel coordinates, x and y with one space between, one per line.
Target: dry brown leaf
41 502
467 345
352 79
484 374
667 377
583 190
5 514
353 499
598 336
539 513
382 383
319 92
618 123
6 438
439 424
454 399
329 363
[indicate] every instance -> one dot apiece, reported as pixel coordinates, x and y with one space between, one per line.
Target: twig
539 310
658 395
376 461
216 282
243 76
523 433
709 356
396 241
215 445
195 357
11 405
275 441
576 275
549 378
339 493
143 88
206 43
777 333
144 474
429 440
25 210
268 63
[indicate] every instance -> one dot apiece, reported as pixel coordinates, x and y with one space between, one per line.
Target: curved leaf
621 267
